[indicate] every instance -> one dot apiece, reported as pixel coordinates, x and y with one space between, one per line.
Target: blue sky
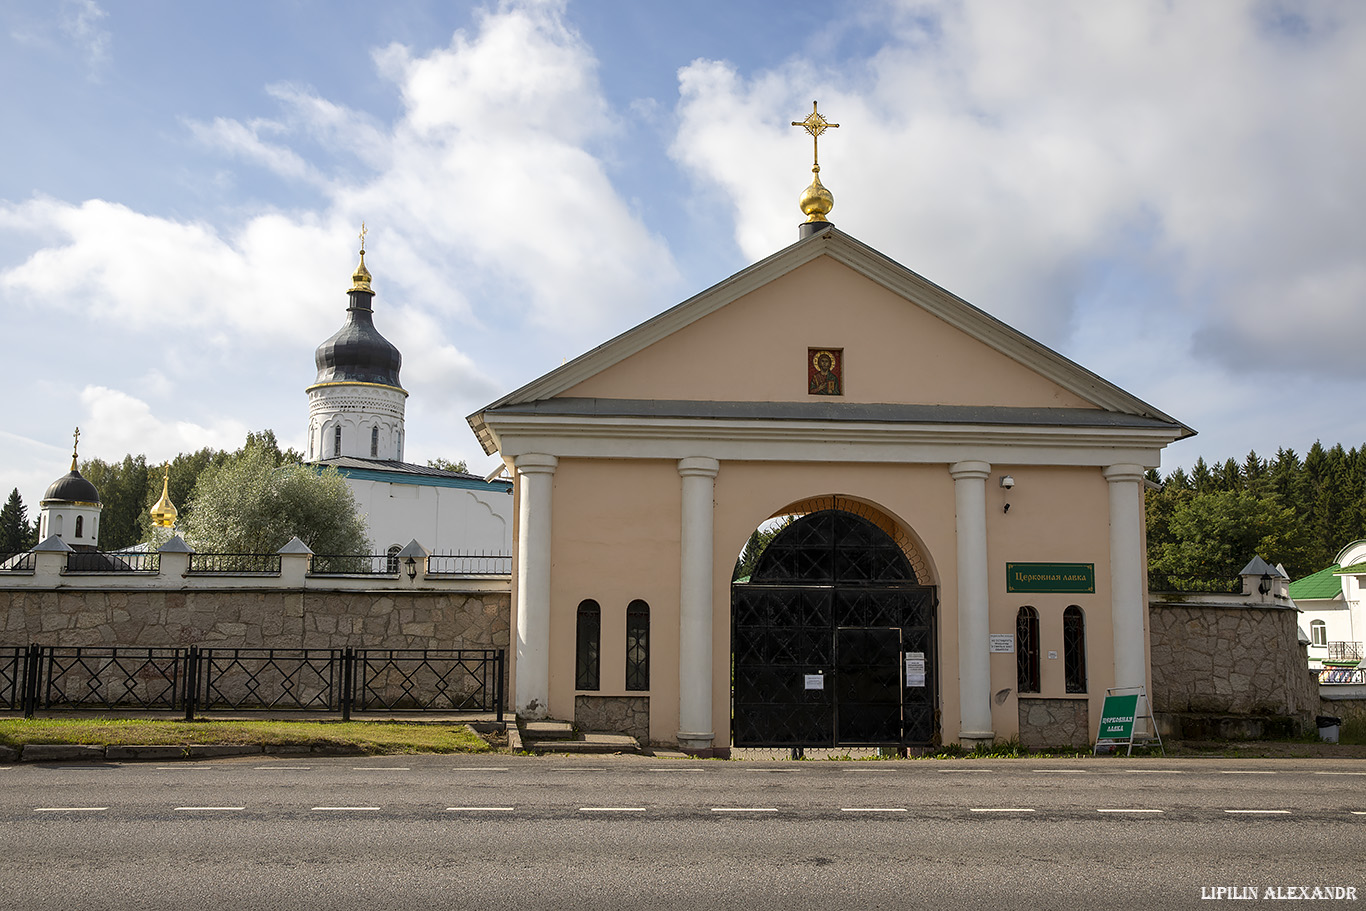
1168 193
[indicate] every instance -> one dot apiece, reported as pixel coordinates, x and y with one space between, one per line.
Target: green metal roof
1322 585
1353 570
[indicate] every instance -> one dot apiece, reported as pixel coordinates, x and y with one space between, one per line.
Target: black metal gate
821 635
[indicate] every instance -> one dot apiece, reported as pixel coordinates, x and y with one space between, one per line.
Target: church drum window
638 645
80 524
588 641
1074 648
1027 650
336 441
374 442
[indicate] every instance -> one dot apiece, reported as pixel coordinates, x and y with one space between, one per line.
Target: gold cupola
164 513
816 201
360 279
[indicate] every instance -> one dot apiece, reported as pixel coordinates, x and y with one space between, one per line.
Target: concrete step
547 730
587 744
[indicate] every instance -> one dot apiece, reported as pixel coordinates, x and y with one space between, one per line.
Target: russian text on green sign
1069 578
1117 717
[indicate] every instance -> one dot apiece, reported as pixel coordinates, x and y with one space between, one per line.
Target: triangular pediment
900 340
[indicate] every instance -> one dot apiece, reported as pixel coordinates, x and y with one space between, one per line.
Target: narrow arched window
1318 631
336 441
80 524
311 441
1027 650
391 560
374 442
1074 648
638 646
588 640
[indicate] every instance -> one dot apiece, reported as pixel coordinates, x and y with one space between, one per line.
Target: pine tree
16 532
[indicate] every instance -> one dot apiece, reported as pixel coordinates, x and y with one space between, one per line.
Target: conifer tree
16 532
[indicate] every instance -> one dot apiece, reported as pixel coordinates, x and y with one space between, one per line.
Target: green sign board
1069 578
1117 718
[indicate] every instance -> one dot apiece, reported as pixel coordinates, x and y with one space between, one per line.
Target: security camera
1007 481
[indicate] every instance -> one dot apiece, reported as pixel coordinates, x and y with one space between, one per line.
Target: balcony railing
1344 653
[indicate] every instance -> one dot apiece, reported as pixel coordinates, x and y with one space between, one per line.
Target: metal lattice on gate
820 638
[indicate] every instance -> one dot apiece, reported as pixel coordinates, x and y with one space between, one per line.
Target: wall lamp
1265 586
412 568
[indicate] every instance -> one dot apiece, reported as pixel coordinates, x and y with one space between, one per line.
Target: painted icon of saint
825 374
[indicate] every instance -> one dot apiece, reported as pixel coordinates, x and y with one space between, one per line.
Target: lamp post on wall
412 568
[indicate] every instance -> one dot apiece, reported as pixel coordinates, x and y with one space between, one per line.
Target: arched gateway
833 640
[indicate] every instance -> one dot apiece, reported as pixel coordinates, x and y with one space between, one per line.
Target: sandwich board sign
1120 716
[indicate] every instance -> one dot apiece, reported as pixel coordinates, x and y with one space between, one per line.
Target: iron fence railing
18 563
1343 652
99 561
201 681
1348 675
469 565
353 565
1194 584
235 564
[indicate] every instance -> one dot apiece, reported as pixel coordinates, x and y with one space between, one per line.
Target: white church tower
71 508
355 406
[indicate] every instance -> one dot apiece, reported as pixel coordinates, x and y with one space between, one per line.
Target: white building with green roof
1332 607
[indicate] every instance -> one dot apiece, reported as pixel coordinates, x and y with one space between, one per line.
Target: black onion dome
357 353
71 487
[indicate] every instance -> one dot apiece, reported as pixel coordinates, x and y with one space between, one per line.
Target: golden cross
363 232
75 445
815 124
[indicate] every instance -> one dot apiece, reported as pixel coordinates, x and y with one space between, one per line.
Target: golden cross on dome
815 124
362 234
75 444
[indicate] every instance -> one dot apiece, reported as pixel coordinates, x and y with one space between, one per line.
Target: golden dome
816 201
164 513
360 279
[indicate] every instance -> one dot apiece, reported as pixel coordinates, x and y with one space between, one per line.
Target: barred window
391 560
589 639
638 646
336 441
1074 648
374 442
1027 650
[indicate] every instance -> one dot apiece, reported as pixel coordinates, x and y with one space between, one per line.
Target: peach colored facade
644 466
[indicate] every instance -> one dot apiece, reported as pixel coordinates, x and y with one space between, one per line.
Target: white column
1126 573
536 475
695 605
974 628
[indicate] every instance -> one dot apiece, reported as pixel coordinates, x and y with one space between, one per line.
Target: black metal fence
353 565
18 563
98 561
235 564
469 565
202 681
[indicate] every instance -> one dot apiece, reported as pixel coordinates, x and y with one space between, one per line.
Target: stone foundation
1054 723
628 715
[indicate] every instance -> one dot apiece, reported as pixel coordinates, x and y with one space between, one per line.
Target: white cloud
80 22
115 422
1012 152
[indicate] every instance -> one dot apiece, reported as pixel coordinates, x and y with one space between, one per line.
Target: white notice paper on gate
915 668
815 681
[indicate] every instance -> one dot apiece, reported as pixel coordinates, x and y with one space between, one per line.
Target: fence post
498 658
191 681
347 682
31 677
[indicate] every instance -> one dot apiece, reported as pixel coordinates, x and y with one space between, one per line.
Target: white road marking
1261 812
481 768
1340 773
872 809
346 808
1126 810
1359 812
210 808
871 768
1066 771
957 771
68 809
282 768
744 809
1243 772
1000 809
380 768
186 767
678 770
1157 771
478 809
611 809
594 769
772 771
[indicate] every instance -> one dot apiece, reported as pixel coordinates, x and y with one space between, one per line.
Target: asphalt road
520 832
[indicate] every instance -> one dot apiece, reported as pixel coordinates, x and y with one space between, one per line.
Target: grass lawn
372 737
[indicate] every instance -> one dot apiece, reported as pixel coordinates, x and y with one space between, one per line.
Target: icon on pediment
825 371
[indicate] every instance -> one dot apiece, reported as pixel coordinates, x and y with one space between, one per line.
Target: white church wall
441 519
